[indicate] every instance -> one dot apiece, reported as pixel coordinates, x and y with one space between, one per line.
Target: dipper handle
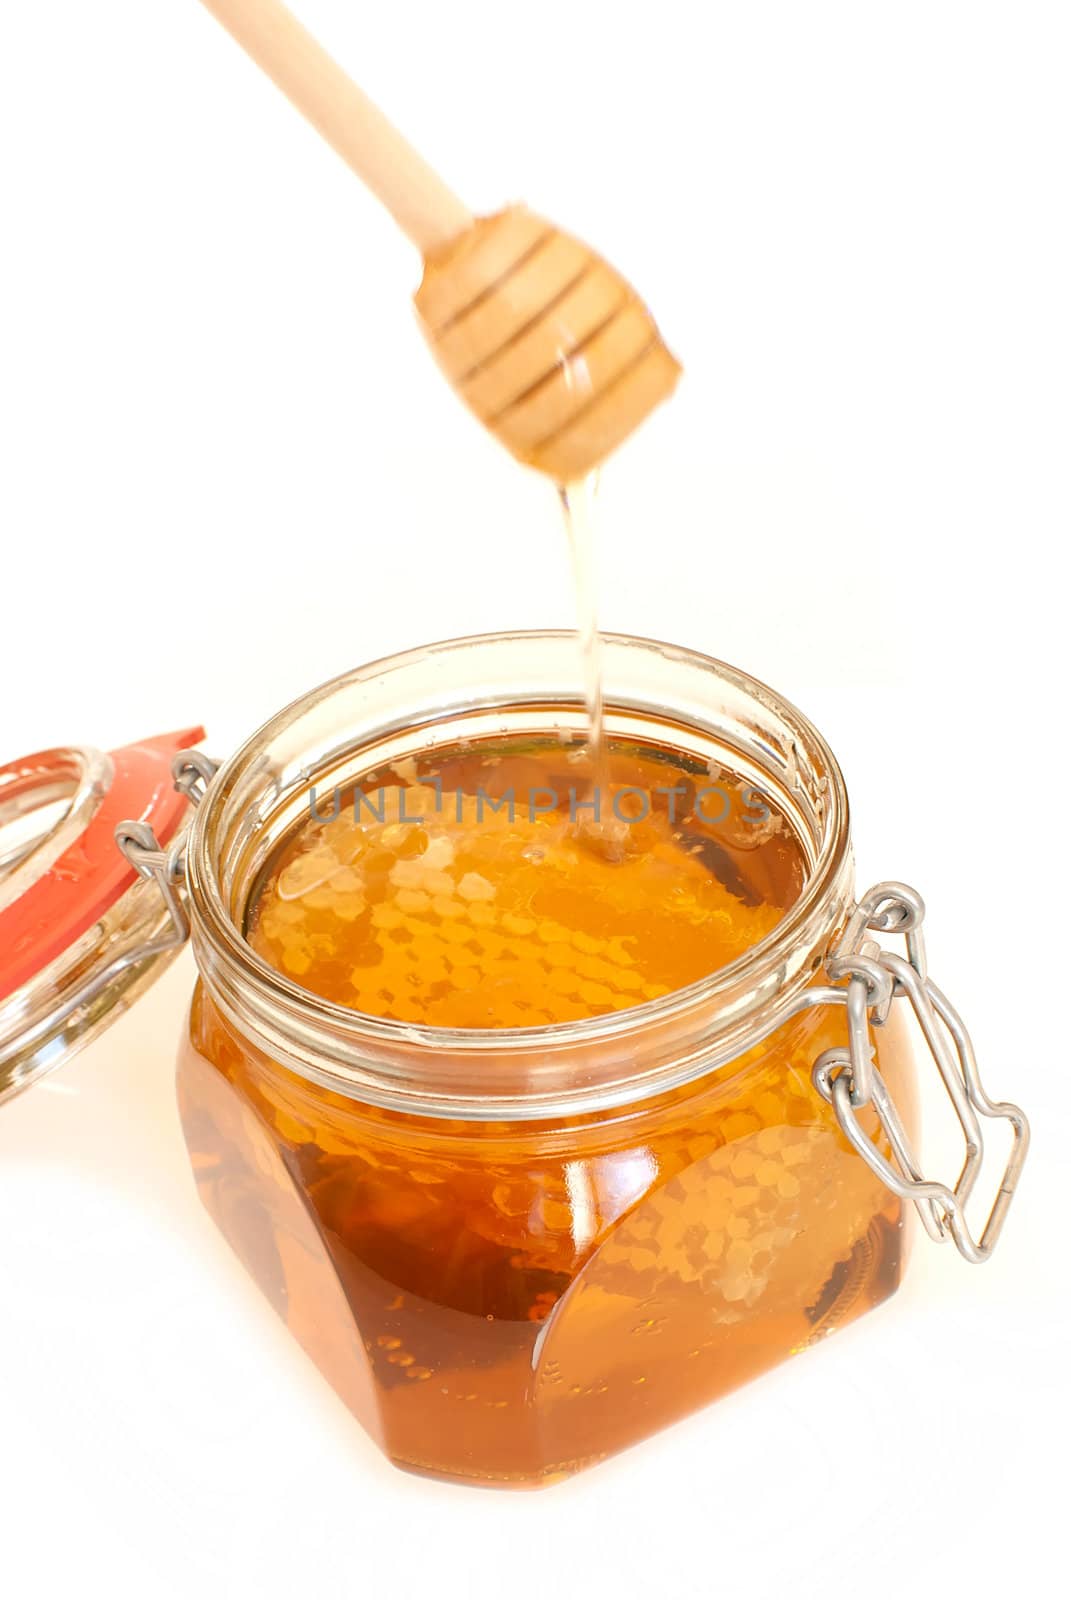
425 209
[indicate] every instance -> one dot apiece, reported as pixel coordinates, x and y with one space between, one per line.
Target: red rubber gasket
88 879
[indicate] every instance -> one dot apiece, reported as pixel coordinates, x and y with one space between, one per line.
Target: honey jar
534 1153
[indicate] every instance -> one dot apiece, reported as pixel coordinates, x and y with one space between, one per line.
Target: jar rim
329 1036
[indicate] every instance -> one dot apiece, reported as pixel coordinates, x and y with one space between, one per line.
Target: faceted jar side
508 1303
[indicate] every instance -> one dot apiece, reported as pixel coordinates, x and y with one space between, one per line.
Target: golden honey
507 1301
494 890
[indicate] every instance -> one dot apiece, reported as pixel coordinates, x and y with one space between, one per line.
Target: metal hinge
192 771
849 1078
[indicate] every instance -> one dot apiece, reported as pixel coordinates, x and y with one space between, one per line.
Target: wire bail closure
191 771
849 1078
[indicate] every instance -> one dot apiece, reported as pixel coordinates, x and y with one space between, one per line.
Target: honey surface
482 892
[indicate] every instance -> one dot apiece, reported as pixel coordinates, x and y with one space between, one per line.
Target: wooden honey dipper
541 338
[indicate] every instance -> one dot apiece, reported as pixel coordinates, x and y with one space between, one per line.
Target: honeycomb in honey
448 904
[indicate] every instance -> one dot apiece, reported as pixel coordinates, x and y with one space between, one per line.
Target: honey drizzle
578 511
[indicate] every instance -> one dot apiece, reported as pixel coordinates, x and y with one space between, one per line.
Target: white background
230 471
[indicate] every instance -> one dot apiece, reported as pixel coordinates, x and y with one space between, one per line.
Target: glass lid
89 909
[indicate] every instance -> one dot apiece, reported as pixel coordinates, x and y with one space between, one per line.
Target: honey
505 1301
506 1304
499 888
577 501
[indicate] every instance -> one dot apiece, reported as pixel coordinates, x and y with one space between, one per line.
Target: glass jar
512 1251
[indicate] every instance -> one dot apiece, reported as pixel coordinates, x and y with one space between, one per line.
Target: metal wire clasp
849 1078
192 772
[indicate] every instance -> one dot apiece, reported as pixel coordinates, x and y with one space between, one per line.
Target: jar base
445 1300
